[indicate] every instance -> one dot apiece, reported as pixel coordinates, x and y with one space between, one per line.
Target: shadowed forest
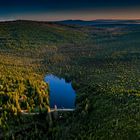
101 61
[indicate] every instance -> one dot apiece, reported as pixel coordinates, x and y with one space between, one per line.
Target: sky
53 10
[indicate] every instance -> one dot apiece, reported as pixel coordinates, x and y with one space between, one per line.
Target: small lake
61 92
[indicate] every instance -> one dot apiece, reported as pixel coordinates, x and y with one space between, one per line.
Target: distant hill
98 22
26 34
31 34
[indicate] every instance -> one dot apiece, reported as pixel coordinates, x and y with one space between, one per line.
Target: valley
102 62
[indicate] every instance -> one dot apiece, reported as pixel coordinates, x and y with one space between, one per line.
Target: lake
61 92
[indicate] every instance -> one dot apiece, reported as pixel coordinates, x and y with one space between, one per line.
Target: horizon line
103 19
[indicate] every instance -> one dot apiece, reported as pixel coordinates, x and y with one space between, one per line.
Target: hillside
103 64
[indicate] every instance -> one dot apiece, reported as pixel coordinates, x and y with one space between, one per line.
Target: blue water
61 93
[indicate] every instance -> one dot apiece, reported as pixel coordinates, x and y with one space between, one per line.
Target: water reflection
61 93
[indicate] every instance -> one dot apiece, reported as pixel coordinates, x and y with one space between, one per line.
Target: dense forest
103 64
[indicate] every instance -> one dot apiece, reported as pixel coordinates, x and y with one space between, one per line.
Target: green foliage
103 64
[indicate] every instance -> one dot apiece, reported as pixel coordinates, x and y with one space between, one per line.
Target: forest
103 64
